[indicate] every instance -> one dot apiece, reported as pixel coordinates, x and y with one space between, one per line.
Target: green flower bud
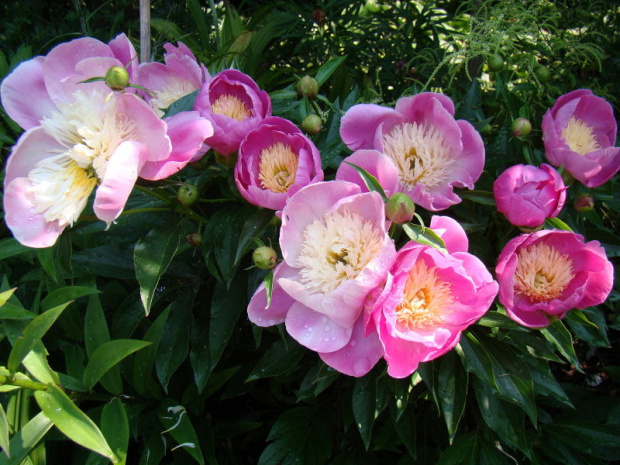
372 6
194 239
584 203
542 73
399 208
308 87
311 124
495 62
187 195
265 258
117 78
521 127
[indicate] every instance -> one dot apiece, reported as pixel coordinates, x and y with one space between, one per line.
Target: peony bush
192 274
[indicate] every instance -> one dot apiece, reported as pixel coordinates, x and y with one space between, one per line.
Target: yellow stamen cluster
231 106
580 137
277 167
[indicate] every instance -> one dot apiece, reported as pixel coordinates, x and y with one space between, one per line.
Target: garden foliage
163 312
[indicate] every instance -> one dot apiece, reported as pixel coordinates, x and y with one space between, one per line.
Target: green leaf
26 439
371 182
556 223
185 103
364 400
475 359
252 228
115 428
109 260
152 255
10 311
325 71
9 247
108 355
32 335
280 358
586 330
452 391
6 295
4 432
593 439
268 286
177 423
96 333
174 342
423 235
463 451
560 337
65 294
74 423
145 359
481 197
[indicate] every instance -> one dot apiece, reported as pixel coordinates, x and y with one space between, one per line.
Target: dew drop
324 319
327 329
272 322
352 342
326 339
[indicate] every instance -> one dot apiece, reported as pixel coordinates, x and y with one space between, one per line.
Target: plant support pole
145 31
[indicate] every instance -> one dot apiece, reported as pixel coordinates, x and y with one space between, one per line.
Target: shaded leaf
327 69
253 227
560 337
65 294
364 400
145 359
26 439
278 359
106 356
115 428
177 423
452 384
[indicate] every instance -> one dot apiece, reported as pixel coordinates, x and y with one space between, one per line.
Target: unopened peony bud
187 195
194 239
495 62
117 78
399 208
265 258
584 203
521 127
308 87
311 124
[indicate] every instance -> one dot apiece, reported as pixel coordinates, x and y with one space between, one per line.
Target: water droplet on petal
327 329
272 322
352 342
324 319
361 367
326 339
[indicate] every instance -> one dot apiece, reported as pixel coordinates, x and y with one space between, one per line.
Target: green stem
24 383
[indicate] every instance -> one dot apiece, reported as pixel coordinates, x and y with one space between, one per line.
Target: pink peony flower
432 151
527 195
336 251
276 160
429 298
235 105
97 142
545 274
579 133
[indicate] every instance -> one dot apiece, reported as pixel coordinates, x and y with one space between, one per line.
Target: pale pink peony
527 195
336 251
375 163
545 274
276 160
235 105
432 151
579 133
429 298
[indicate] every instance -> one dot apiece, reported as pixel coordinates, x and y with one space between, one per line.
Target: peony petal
314 330
361 122
376 163
262 315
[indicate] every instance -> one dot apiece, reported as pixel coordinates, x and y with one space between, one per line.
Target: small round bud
399 208
117 78
308 87
311 124
584 203
187 195
372 6
495 62
568 178
194 239
265 258
542 73
521 127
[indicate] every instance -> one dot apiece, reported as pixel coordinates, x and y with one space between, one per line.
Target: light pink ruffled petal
376 163
262 315
360 123
314 330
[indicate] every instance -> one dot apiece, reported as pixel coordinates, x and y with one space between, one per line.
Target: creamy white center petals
420 154
231 106
336 248
580 137
61 188
542 273
90 128
277 167
165 97
425 298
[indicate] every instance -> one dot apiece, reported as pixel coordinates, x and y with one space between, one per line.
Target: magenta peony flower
429 298
235 105
579 133
432 151
276 160
527 195
336 251
545 274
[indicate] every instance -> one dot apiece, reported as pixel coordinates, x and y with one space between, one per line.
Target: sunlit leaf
26 439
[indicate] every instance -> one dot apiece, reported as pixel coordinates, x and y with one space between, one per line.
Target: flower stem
24 383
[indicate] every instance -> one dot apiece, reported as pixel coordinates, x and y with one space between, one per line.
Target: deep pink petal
451 232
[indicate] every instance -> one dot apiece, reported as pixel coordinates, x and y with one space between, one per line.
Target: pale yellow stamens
165 97
277 167
542 273
336 248
426 298
231 106
420 154
580 137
